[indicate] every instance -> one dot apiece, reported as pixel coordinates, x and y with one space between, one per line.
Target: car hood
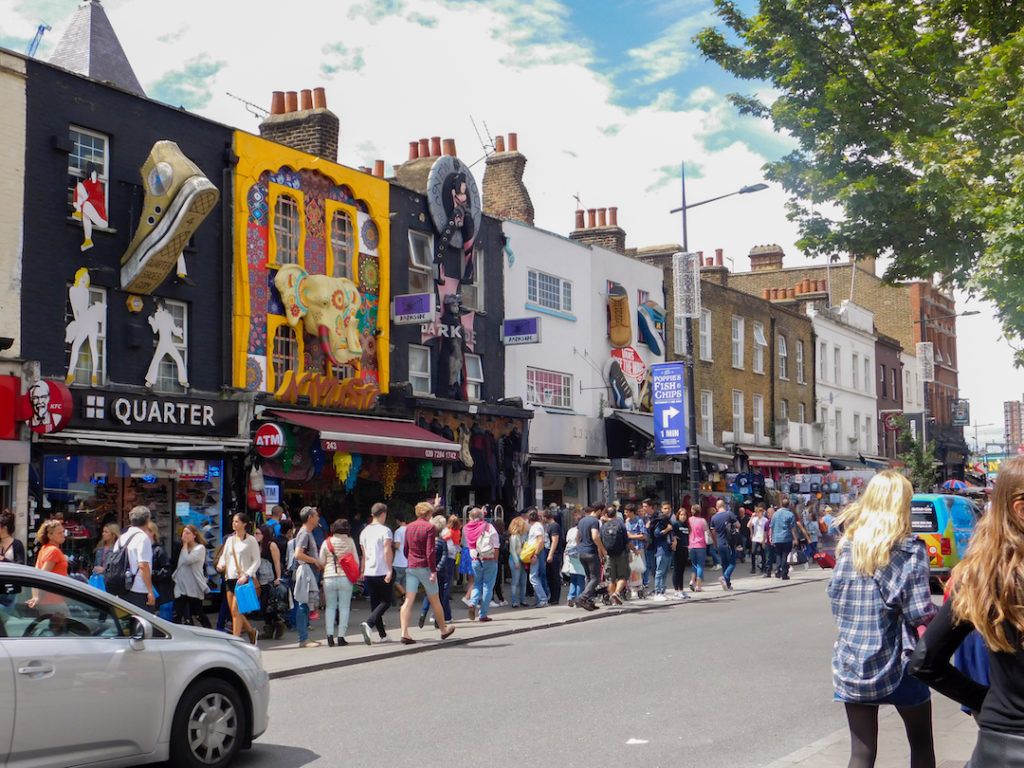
210 633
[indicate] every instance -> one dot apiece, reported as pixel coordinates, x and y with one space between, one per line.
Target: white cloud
671 53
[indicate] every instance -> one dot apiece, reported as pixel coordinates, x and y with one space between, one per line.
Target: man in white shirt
139 546
377 544
758 526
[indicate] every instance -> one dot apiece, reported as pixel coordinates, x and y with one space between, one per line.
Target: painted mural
87 316
455 208
311 271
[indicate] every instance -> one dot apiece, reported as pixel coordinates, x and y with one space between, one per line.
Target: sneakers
622 390
648 316
620 329
571 604
485 618
365 629
314 615
310 644
177 199
659 598
472 613
466 601
724 583
423 620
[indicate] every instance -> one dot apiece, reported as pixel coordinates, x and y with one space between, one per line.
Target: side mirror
142 630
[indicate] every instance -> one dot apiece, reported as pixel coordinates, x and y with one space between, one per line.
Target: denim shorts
911 692
416 576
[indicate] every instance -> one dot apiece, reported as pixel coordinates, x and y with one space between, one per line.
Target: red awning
766 457
378 437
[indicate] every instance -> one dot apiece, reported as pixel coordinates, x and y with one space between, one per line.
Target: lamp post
923 321
691 397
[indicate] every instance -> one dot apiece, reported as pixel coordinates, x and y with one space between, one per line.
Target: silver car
96 681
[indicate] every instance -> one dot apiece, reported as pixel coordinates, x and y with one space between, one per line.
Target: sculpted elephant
327 307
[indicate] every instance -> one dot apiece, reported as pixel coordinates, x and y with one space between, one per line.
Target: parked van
944 523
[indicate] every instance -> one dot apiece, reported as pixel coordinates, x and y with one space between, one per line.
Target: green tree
918 458
908 116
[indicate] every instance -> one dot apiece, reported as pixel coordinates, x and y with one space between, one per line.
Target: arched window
286 230
285 355
342 244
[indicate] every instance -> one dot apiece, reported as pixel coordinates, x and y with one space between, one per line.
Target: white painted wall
913 387
850 330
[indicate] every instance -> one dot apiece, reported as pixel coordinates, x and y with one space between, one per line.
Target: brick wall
312 130
504 194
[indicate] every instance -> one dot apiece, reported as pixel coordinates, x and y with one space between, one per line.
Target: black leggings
917 721
380 601
190 610
679 560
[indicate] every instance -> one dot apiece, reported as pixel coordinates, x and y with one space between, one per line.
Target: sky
608 100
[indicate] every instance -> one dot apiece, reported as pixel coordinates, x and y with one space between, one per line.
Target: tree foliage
919 459
909 115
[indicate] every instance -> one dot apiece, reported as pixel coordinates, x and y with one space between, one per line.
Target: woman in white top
190 586
239 562
337 587
572 566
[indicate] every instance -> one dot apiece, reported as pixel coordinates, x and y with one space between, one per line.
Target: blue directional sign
668 390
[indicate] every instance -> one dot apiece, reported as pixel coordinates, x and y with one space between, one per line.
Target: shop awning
643 424
861 462
376 437
570 465
767 457
136 441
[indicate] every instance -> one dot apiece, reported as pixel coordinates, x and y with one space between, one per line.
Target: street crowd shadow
265 755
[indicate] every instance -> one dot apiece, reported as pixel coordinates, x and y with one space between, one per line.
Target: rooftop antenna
486 146
254 109
579 203
34 45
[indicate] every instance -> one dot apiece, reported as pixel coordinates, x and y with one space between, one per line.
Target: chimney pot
766 293
291 101
307 99
709 262
424 147
319 98
824 286
414 150
613 216
602 217
378 168
513 142
277 102
719 257
591 218
499 144
448 146
775 294
807 285
579 215
792 293
435 146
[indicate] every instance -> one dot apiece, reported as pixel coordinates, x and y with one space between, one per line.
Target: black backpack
613 537
117 575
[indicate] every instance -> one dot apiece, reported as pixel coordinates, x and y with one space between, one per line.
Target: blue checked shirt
876 617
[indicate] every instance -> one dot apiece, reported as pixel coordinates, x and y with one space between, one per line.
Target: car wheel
209 725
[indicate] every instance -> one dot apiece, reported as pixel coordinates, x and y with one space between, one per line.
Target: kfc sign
51 405
269 441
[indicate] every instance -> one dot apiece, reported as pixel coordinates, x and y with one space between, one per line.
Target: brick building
1013 425
890 392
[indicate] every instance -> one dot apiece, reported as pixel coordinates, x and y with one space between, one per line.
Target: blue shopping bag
246 597
96 580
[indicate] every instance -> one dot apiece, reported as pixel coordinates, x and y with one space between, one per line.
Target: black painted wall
409 211
57 99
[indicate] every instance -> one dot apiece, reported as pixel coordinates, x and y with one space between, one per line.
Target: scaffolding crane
34 45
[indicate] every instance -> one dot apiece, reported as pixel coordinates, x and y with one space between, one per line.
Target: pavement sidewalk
282 658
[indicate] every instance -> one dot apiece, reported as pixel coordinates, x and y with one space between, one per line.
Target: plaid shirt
876 617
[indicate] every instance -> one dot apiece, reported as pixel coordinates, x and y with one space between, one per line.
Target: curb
604 613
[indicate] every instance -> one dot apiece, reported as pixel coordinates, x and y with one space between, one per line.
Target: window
284 353
474 377
89 152
800 379
760 343
473 293
707 415
783 358
737 342
758 408
883 390
856 431
343 244
801 413
286 230
705 334
838 415
869 443
837 366
421 261
642 296
867 376
84 365
822 361
737 415
549 291
784 410
548 388
167 375
58 613
679 334
895 383
855 371
419 370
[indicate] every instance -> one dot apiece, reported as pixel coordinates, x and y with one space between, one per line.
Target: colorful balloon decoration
353 472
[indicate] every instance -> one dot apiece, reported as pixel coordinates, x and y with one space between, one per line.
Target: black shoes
330 641
423 620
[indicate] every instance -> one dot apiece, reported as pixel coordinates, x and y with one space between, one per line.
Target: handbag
97 581
528 552
247 595
347 565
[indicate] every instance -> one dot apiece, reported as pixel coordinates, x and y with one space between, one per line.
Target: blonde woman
108 538
239 561
190 585
880 601
517 531
988 596
49 557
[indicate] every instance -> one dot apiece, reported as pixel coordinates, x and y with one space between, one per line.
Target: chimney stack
378 168
602 229
313 129
424 147
719 258
766 258
504 194
579 218
435 146
448 147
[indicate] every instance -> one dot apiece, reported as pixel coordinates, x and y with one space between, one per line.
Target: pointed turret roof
91 48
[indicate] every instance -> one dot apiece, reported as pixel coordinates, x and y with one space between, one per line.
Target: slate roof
91 48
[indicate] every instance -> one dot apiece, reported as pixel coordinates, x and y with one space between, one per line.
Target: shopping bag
636 563
793 558
246 597
96 580
824 560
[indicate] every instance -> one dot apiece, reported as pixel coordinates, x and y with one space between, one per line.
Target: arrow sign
667 415
668 396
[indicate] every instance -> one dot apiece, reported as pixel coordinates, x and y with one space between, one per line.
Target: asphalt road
736 682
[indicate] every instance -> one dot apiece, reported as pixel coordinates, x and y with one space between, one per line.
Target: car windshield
923 518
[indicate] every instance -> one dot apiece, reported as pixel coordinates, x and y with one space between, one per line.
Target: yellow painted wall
256 155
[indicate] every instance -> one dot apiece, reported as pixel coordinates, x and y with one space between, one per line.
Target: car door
7 702
83 692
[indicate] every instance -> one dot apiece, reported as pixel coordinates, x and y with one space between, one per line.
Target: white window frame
79 173
420 268
894 381
83 368
474 377
287 244
560 398
707 415
343 249
737 342
837 365
760 345
800 378
822 362
855 362
838 414
801 412
706 349
757 411
421 380
857 430
167 373
868 378
784 409
472 294
534 292
783 358
738 421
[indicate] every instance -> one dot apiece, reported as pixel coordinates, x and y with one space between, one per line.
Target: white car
98 682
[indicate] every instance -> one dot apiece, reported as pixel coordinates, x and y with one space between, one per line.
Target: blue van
944 523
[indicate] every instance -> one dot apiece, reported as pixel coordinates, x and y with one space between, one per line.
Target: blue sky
607 98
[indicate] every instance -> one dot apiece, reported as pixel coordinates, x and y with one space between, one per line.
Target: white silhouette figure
162 323
85 325
90 204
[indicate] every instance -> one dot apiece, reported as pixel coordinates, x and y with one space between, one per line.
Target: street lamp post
923 321
691 396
